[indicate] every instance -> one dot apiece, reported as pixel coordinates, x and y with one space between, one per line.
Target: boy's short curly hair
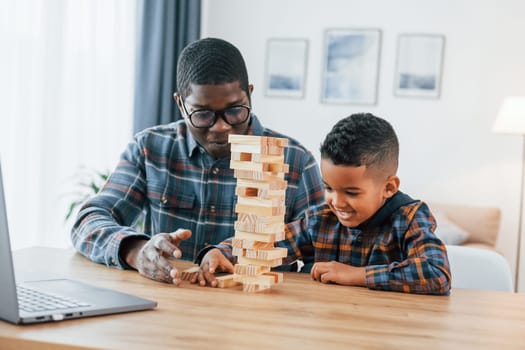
210 61
363 139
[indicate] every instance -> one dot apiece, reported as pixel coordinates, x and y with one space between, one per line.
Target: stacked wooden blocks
258 163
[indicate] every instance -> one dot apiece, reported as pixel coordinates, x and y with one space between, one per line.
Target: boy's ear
391 186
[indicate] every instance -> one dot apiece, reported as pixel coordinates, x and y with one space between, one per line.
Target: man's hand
213 261
336 272
151 258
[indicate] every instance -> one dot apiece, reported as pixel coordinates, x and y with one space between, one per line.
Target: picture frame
351 66
419 65
286 63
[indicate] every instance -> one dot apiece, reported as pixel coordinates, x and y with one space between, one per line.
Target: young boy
368 233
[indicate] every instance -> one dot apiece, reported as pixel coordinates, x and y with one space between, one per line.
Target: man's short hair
210 61
363 139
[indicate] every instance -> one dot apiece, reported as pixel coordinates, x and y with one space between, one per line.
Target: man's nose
220 123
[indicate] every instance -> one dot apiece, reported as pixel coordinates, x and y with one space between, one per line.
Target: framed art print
351 66
286 67
419 65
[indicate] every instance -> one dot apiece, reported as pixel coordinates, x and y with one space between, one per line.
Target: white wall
448 153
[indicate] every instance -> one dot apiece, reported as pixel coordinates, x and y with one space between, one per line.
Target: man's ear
250 88
391 186
178 101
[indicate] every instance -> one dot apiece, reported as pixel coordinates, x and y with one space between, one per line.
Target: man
178 174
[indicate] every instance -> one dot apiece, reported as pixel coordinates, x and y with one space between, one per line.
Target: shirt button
163 199
212 208
215 171
206 244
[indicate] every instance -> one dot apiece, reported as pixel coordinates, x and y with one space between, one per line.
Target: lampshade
511 116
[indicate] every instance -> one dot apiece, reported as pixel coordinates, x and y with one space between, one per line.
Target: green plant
90 183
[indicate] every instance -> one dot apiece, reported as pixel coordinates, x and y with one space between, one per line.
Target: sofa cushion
482 223
447 231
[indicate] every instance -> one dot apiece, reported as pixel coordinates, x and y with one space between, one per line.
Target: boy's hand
336 272
212 262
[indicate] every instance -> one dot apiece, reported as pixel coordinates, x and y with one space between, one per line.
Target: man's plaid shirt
167 174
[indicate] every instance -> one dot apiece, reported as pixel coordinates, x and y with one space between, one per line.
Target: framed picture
419 65
351 66
286 67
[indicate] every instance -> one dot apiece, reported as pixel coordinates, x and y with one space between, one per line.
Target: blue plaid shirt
166 174
397 246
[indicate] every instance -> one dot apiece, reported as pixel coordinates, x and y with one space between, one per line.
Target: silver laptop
54 299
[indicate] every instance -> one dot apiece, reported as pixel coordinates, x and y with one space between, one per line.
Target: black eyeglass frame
217 114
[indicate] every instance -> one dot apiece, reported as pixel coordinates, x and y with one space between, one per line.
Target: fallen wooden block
187 275
226 281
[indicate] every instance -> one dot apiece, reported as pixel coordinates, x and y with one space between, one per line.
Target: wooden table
298 314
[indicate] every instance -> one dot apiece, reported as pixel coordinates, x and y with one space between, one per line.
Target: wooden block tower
258 163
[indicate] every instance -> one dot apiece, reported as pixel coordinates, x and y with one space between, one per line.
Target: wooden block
259 210
240 165
260 237
257 144
259 224
242 156
246 191
254 288
261 254
257 157
266 158
237 251
254 139
258 175
278 276
261 202
280 141
250 270
250 244
187 275
268 254
259 167
243 191
277 184
258 262
226 281
260 280
247 139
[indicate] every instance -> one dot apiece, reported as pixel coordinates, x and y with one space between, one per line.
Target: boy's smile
354 194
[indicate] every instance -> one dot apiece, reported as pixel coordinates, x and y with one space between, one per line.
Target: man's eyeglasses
206 118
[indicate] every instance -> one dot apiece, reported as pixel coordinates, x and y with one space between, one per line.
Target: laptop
55 299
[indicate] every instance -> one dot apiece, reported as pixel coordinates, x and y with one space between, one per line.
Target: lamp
511 120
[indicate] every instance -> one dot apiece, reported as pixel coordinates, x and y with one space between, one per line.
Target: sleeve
225 247
105 220
308 187
426 268
298 241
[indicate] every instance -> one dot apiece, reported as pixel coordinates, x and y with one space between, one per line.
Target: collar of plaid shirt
391 205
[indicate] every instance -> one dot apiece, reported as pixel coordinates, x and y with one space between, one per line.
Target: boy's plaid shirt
400 252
